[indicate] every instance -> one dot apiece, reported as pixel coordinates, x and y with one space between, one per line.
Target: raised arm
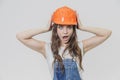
26 38
101 35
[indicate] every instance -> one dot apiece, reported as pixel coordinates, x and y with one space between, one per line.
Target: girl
64 53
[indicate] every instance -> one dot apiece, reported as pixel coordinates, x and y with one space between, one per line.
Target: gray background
18 62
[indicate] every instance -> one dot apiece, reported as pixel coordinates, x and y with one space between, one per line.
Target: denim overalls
71 70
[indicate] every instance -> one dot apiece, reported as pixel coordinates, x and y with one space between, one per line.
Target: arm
25 37
100 36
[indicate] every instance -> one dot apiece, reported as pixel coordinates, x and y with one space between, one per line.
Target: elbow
21 37
109 32
18 36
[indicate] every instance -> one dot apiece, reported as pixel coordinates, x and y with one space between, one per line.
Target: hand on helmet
78 22
49 25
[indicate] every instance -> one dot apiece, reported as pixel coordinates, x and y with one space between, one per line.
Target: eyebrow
65 25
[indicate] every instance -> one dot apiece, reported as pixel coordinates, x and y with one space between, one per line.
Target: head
64 34
66 20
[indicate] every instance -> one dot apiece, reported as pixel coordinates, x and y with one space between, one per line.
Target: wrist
47 29
81 27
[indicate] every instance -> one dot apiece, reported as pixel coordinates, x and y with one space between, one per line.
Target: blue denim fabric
71 71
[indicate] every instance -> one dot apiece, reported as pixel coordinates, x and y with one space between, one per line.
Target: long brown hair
72 47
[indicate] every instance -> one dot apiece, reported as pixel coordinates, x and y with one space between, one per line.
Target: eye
69 26
60 27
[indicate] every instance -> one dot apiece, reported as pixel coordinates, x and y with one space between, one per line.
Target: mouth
65 38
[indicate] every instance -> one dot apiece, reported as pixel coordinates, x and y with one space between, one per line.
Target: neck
63 45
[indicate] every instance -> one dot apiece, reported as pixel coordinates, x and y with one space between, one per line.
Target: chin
65 42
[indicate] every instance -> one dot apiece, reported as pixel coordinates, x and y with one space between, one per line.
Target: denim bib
71 70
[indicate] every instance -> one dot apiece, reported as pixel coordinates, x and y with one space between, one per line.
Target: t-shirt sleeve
80 43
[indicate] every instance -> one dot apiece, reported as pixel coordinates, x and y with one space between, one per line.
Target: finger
77 16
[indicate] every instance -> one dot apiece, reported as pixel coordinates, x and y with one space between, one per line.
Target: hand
49 25
78 21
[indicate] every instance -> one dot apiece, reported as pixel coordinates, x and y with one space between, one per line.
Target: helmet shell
64 15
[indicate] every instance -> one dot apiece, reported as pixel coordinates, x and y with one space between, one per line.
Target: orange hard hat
64 15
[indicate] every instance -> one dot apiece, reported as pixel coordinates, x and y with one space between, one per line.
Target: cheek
71 31
59 33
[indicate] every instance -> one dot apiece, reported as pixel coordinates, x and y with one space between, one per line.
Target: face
64 32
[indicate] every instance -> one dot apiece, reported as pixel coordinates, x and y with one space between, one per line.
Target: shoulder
47 45
80 44
48 51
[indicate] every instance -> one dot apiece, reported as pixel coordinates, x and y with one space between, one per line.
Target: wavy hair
72 47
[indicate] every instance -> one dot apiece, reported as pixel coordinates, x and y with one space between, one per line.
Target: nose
65 31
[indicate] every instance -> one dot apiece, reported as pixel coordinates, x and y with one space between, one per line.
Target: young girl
64 53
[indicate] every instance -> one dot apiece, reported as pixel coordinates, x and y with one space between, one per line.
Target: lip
65 37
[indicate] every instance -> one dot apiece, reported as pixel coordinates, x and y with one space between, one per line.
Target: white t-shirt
50 58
